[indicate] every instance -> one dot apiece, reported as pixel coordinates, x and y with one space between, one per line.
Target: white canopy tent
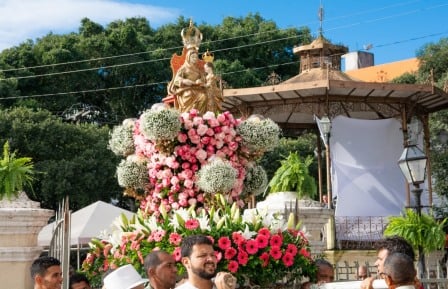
92 221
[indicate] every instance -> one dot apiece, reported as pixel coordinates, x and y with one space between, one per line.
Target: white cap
125 277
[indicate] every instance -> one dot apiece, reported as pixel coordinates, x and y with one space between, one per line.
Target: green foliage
293 176
409 78
71 159
15 173
142 74
420 231
434 59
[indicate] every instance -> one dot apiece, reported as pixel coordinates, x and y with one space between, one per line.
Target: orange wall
385 72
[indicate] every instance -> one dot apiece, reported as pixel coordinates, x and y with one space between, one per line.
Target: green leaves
293 176
15 173
422 230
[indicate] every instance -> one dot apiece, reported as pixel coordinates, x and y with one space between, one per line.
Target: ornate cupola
320 54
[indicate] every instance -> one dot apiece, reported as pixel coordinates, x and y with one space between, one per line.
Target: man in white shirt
198 257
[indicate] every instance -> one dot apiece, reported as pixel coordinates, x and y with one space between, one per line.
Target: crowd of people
394 263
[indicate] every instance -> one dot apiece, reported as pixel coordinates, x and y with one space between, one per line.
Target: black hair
77 278
395 244
153 259
41 264
186 248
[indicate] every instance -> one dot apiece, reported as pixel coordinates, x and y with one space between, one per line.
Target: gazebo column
404 129
426 136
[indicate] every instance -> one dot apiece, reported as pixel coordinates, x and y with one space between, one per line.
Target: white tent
86 223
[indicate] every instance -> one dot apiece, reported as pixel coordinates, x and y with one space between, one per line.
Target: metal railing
358 232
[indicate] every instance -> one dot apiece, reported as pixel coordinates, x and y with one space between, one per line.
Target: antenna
320 14
367 46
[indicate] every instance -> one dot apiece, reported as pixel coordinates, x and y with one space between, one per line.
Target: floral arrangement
259 134
178 149
256 180
121 141
132 173
216 176
245 244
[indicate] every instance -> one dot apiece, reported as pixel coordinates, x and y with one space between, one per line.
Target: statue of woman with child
194 84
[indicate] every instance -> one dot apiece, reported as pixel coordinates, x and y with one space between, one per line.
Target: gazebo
321 89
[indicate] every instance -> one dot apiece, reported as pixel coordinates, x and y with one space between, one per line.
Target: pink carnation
224 243
233 266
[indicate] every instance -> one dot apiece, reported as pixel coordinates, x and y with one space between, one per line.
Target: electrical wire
164 59
132 86
248 35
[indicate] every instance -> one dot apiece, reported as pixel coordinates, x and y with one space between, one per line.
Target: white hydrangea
217 176
158 125
259 135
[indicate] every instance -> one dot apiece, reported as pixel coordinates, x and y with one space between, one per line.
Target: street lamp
325 127
413 165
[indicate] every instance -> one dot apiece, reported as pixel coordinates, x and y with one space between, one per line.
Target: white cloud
30 19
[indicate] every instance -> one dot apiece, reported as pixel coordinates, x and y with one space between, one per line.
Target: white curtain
366 177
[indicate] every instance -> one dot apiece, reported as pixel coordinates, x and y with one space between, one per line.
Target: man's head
161 270
325 272
198 257
79 281
390 245
363 272
46 273
399 270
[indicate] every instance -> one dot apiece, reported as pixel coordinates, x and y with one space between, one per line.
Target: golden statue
191 86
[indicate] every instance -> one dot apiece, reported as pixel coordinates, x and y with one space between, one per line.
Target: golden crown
191 36
208 56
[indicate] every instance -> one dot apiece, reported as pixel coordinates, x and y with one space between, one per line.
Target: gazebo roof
293 103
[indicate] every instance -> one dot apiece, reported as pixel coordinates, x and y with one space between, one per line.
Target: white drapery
366 177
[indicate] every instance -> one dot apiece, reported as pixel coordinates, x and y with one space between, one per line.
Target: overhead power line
252 34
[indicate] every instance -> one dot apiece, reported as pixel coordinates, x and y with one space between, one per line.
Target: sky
394 30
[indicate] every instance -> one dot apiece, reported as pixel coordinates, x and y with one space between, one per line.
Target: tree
68 159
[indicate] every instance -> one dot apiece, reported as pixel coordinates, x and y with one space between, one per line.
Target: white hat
125 277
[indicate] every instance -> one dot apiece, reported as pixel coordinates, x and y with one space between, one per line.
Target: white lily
248 233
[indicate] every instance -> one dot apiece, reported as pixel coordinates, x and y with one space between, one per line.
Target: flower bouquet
245 244
182 151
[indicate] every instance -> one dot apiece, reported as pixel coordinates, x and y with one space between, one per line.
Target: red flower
288 260
242 258
175 239
275 252
229 253
177 254
224 243
233 266
264 232
305 253
264 259
191 224
276 241
252 247
291 249
262 241
238 238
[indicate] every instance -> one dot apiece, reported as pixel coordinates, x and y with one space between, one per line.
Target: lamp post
413 165
325 125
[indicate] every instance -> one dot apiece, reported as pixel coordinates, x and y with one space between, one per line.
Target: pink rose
202 129
201 155
181 137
